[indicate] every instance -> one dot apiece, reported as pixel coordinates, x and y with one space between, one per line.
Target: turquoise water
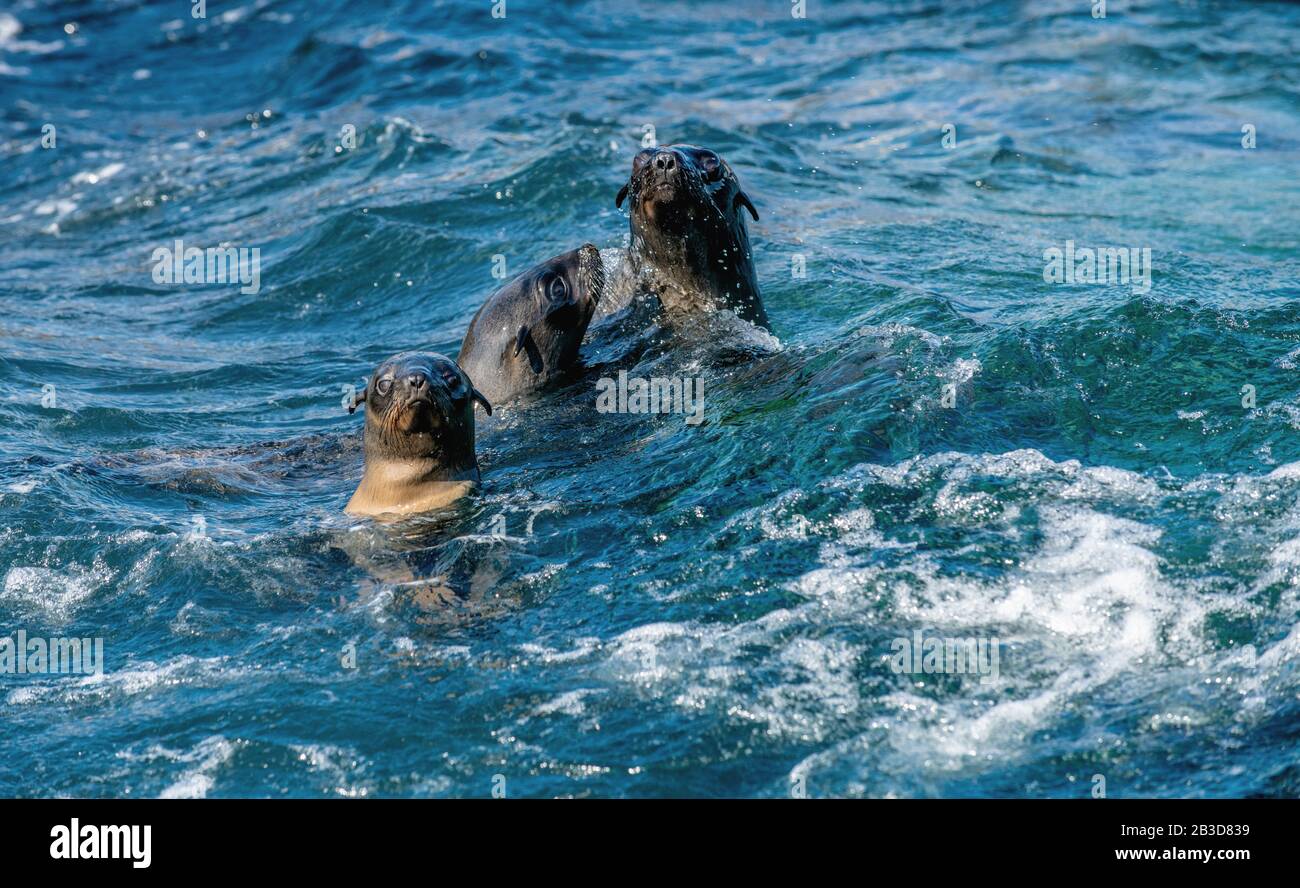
937 440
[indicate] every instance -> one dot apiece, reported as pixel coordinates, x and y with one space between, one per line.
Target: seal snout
416 386
663 174
417 405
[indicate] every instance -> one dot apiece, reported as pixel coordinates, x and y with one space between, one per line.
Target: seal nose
664 161
417 381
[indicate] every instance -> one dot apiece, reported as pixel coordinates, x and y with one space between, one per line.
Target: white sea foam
960 371
207 758
115 683
1089 609
204 760
57 208
94 177
569 703
10 28
341 767
47 594
887 334
583 648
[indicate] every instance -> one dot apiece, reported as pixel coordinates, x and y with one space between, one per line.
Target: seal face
689 243
419 437
528 332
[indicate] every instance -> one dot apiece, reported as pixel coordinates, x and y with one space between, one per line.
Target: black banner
235 837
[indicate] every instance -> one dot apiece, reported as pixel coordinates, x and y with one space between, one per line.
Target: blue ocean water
1103 478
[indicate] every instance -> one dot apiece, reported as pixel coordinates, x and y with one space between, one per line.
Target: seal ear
622 194
358 399
475 394
742 200
524 342
710 164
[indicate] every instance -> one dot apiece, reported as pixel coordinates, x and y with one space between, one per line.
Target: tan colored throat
394 490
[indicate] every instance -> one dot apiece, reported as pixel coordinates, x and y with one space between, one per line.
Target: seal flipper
742 200
622 195
360 398
524 342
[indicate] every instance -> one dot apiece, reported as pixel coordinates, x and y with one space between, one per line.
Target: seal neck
407 486
421 470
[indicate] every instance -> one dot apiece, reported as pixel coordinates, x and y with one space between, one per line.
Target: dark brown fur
690 246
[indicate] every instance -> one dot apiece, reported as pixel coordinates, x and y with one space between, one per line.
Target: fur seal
689 243
528 332
419 437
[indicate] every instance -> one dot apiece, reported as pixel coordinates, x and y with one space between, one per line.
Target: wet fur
523 339
418 456
689 242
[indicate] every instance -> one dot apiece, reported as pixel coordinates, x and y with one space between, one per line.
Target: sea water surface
1103 479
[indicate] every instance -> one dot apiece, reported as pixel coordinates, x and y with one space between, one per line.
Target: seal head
689 240
526 336
419 435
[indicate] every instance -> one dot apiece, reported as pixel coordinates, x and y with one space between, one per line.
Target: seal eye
710 166
384 385
640 159
558 289
451 379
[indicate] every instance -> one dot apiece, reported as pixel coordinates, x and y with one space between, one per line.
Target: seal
527 334
419 436
689 243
